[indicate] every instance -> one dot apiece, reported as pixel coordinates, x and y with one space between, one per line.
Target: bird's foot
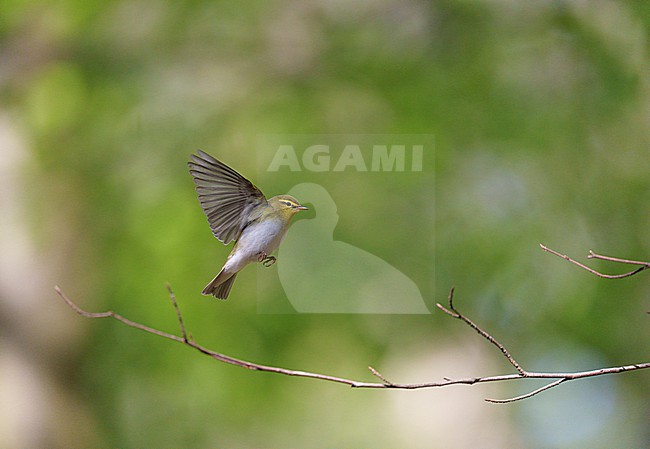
266 260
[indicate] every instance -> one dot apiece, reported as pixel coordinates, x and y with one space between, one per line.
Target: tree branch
555 383
385 383
592 255
452 312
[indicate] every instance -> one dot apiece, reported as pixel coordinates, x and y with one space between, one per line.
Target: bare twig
172 298
384 384
592 255
555 383
378 375
456 314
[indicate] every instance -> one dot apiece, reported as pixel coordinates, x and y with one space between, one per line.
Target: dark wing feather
226 197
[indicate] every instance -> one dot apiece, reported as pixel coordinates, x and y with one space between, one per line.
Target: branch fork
592 255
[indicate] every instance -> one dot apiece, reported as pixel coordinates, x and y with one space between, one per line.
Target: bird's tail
220 286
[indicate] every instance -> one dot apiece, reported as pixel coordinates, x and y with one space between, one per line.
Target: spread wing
226 197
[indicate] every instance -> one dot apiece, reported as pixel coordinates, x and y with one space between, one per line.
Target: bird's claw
266 260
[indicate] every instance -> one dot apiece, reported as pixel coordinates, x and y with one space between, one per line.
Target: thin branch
382 378
111 314
456 314
215 355
528 395
592 255
172 298
384 384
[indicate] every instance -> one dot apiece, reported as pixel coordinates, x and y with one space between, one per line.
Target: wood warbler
237 210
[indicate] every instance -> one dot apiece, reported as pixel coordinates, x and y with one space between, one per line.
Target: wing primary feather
226 197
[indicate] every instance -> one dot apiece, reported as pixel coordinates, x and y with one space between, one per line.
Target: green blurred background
540 112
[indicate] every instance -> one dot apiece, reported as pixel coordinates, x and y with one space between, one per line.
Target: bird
237 210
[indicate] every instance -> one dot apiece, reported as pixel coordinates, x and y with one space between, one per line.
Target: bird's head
286 205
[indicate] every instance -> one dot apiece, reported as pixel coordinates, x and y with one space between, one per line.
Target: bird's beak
301 208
